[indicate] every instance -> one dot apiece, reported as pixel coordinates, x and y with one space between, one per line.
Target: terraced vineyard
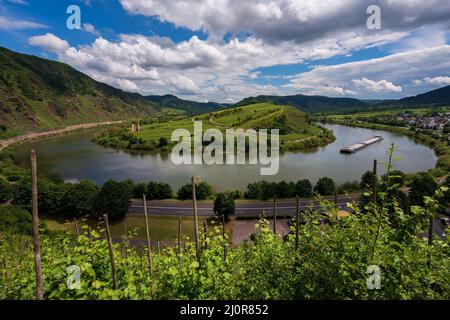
294 125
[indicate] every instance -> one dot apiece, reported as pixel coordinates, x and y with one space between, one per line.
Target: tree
367 180
5 191
152 190
139 190
50 195
114 199
396 177
422 185
303 188
164 191
325 186
224 205
78 200
202 191
15 219
163 142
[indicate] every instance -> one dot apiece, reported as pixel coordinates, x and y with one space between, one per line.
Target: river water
76 157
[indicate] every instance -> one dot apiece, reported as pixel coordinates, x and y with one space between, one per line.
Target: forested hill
40 94
171 101
310 104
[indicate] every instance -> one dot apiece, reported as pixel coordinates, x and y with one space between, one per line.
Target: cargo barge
361 145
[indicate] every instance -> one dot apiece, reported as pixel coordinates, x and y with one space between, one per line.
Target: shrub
325 187
114 199
15 219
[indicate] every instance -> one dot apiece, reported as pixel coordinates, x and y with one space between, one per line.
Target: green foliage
114 199
159 191
224 205
422 185
325 187
330 262
203 191
15 219
367 180
303 188
139 190
5 191
78 200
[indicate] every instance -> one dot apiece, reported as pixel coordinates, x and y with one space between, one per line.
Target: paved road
243 208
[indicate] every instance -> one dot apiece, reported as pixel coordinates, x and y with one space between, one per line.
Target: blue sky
227 50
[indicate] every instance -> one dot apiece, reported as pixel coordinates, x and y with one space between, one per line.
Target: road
37 135
243 209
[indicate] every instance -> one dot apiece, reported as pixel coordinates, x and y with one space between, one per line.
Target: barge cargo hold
361 145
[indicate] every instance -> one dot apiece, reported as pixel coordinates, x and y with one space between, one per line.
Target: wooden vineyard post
336 199
111 252
224 239
275 215
297 218
35 226
149 245
179 238
76 227
194 203
374 186
205 236
158 247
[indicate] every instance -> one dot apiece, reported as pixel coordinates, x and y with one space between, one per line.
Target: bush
303 188
202 191
78 200
139 190
349 187
114 199
5 191
15 219
224 205
422 185
325 187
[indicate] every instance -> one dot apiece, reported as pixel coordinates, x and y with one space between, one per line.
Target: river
76 157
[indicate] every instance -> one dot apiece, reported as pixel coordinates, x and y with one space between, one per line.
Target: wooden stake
336 199
275 215
149 245
179 235
224 242
194 203
158 246
205 236
76 226
111 252
37 248
297 219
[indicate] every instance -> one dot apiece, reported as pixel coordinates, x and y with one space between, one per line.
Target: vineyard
324 261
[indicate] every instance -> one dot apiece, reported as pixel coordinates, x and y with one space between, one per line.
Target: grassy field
293 123
161 228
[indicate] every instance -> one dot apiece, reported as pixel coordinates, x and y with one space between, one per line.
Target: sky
226 50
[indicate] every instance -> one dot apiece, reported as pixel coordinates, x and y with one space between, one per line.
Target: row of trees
264 190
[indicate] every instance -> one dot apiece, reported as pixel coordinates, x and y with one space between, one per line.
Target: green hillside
435 98
296 132
38 94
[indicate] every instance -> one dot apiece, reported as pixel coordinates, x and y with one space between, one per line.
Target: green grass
161 228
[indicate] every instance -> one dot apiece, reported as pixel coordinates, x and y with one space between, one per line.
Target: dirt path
37 135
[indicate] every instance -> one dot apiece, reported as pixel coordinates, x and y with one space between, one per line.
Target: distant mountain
193 107
310 104
40 94
436 98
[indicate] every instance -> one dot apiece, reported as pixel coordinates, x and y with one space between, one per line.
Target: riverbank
32 136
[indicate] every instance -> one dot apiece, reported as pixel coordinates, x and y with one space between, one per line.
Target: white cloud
441 80
91 29
23 2
387 75
49 42
284 20
376 86
8 24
